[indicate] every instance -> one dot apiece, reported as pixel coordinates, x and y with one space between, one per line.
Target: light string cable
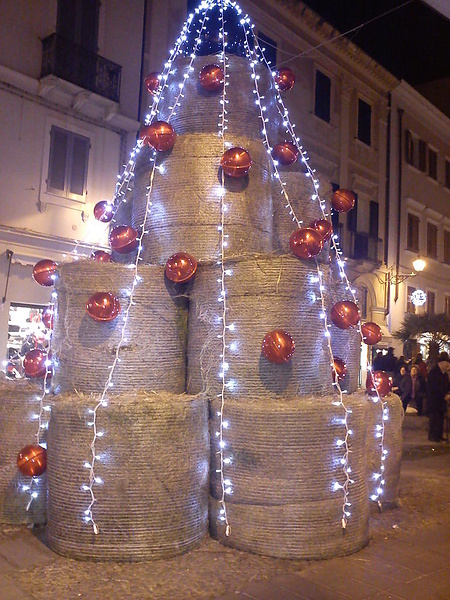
341 442
103 399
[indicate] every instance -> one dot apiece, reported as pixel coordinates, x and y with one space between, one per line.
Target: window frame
431 302
434 250
432 175
410 308
409 246
317 112
364 130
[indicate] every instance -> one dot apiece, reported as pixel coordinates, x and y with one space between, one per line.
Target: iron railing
365 247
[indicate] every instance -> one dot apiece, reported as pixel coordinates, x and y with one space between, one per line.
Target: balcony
71 62
365 247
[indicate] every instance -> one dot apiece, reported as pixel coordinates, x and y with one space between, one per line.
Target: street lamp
393 278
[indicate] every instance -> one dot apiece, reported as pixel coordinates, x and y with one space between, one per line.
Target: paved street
407 558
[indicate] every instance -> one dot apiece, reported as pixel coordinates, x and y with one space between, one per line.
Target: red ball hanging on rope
324 227
339 369
44 272
278 346
285 79
343 200
103 306
153 82
123 239
378 380
211 78
101 256
236 162
371 333
47 317
103 211
345 314
285 153
34 363
159 135
306 242
181 267
32 460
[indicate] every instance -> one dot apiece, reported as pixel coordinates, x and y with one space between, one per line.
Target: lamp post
393 277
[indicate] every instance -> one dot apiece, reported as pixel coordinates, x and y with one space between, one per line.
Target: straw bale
154 353
18 402
154 465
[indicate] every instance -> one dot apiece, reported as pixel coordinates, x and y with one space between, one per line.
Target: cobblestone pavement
407 557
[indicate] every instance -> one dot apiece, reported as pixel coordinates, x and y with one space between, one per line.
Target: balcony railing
365 247
84 68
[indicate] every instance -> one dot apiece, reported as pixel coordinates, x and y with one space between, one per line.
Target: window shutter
352 217
80 156
58 159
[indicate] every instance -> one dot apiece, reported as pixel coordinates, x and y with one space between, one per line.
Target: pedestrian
417 389
403 386
421 366
390 361
438 386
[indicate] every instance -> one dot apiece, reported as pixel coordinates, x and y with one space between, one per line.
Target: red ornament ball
285 79
34 363
123 239
306 242
101 256
211 78
324 227
343 200
285 153
339 369
47 317
103 211
278 346
371 333
44 272
159 135
103 306
345 314
153 82
378 380
32 460
181 267
236 162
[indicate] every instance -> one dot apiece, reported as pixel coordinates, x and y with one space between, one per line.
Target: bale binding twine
154 462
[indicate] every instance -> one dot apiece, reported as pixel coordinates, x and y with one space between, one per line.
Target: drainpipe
387 295
399 200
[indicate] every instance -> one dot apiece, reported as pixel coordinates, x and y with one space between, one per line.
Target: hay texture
263 293
393 443
287 508
153 357
155 458
18 402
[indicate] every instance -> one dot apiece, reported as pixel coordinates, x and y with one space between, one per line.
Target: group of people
427 388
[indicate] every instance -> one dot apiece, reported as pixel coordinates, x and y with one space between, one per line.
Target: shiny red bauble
345 314
306 242
339 369
123 239
286 153
153 82
371 333
103 211
101 256
44 272
103 306
324 227
181 267
47 317
34 363
285 79
159 135
32 460
378 381
236 162
343 200
278 346
211 78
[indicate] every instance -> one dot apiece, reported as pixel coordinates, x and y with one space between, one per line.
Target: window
447 246
269 47
363 301
337 226
364 122
78 20
322 103
431 301
352 216
432 164
412 235
373 219
410 308
409 148
432 232
68 163
447 174
422 156
447 305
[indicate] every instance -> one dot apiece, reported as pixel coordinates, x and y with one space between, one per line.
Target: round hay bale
393 443
153 354
285 460
154 465
19 401
185 211
264 293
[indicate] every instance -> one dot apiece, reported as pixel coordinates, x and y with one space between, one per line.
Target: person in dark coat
417 389
403 386
421 366
438 386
